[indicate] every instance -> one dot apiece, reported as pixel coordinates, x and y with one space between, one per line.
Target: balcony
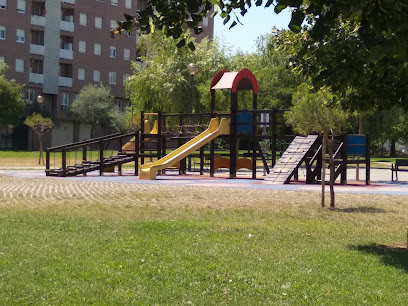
67 26
37 49
68 1
66 54
36 78
38 20
65 82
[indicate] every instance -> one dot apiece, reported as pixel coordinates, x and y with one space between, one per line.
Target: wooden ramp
293 157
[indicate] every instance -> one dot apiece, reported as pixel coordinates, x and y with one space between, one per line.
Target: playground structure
184 134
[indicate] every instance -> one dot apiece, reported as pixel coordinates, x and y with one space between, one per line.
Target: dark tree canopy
11 98
367 59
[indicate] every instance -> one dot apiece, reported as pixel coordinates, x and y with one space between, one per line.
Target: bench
396 167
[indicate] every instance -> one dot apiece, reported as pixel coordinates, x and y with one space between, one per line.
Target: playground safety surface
380 181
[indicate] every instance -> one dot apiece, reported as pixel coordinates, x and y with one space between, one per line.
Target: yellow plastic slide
148 171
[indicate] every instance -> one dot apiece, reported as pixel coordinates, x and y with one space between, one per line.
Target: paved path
380 181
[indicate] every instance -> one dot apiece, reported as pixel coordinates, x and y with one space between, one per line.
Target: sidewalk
380 181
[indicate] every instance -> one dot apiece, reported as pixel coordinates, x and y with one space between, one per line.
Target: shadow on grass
391 255
363 209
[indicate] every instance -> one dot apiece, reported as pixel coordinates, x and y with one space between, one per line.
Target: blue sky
257 21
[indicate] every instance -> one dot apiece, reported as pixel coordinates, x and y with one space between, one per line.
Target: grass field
67 242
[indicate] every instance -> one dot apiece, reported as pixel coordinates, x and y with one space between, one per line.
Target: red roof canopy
242 80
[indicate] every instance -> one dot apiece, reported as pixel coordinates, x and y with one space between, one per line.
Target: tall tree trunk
393 150
41 149
324 144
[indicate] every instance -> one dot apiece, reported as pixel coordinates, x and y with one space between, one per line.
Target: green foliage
161 82
11 98
311 112
277 82
39 124
96 106
346 44
386 126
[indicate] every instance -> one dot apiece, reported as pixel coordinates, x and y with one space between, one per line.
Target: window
98 22
81 74
19 65
30 94
112 52
3 4
96 76
65 101
114 2
82 46
2 32
119 107
21 6
36 66
125 78
2 60
20 36
113 24
83 20
37 38
112 78
97 49
126 54
128 4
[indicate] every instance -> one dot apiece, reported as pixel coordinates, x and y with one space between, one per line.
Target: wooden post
212 149
101 157
84 158
233 136
368 159
202 160
64 162
323 166
159 135
254 158
273 124
142 132
360 132
120 150
343 174
136 156
47 159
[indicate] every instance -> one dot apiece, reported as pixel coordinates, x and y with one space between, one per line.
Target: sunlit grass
148 245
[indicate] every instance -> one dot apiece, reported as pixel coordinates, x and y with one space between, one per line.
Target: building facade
55 47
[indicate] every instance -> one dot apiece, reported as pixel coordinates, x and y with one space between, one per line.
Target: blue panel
244 123
356 145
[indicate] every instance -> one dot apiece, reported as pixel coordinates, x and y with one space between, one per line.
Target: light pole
40 100
192 71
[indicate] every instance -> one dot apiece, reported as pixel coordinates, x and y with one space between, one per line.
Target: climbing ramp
291 159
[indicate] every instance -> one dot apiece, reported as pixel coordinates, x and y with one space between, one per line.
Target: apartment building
55 47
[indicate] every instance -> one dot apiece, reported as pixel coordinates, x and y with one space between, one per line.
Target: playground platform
380 180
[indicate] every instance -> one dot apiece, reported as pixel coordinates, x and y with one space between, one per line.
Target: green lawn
187 247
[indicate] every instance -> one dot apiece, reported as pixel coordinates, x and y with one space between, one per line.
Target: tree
310 113
374 28
387 126
161 81
40 126
11 98
96 106
277 81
